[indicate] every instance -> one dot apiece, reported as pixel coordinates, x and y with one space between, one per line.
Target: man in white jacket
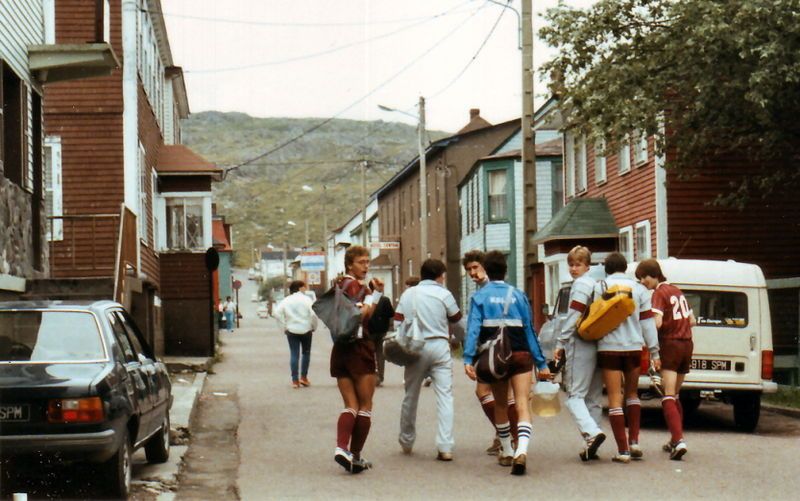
298 320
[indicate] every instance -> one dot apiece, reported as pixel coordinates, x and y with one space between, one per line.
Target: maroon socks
344 428
360 432
513 418
617 419
487 404
633 407
672 415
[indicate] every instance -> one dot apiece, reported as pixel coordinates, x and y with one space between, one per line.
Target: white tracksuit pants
584 385
436 362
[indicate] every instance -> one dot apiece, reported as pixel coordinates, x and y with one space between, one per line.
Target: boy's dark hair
614 263
432 269
473 256
650 268
494 262
412 281
296 286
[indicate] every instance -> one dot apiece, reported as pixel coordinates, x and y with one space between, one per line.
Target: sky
323 58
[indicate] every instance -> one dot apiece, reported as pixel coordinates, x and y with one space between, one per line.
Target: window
569 174
121 337
557 183
600 162
498 198
185 223
640 148
14 98
626 243
134 334
642 249
49 336
718 308
625 158
580 164
53 190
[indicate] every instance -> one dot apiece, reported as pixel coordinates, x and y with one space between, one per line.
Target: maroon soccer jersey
670 302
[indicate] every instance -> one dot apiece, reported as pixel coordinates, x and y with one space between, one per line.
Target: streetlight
423 176
285 251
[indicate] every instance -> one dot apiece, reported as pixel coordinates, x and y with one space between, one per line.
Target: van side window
562 303
718 308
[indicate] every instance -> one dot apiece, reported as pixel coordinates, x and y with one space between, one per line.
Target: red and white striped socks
344 428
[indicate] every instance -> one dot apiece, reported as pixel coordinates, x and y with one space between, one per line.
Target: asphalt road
285 441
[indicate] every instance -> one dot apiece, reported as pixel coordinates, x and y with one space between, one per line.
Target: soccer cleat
622 457
636 451
667 447
655 380
678 451
304 381
518 464
360 465
444 456
505 460
344 458
494 449
592 444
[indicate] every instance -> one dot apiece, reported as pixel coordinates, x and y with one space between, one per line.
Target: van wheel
746 411
118 469
157 448
689 403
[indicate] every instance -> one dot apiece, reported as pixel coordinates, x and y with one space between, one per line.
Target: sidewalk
160 479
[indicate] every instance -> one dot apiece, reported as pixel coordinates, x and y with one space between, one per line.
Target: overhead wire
357 101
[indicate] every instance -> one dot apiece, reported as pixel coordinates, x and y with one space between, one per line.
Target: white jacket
295 314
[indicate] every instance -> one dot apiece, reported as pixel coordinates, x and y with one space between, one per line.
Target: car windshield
49 336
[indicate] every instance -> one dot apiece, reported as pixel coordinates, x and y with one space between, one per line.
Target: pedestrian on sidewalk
354 364
434 307
495 304
619 357
473 265
582 377
299 322
674 320
229 310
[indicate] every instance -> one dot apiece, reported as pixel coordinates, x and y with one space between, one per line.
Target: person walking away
619 356
674 320
229 310
354 365
434 307
299 322
582 378
379 324
473 265
485 314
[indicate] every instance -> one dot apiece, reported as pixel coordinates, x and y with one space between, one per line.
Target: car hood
16 378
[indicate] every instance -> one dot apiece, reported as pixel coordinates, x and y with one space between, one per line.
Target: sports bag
494 355
339 314
607 312
404 346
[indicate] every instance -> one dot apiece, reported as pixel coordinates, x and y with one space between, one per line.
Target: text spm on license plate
706 364
13 412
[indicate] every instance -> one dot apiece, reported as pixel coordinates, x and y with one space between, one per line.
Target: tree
707 78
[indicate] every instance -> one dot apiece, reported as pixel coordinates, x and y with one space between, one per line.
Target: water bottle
544 399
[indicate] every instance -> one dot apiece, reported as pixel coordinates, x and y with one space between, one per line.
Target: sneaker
518 464
667 447
295 384
494 449
636 451
406 448
360 465
304 381
427 382
344 458
622 457
678 451
655 380
444 456
505 460
592 444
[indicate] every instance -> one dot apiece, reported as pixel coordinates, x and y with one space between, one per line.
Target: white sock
504 434
524 431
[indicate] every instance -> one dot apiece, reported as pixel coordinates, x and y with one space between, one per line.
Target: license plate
12 413
704 364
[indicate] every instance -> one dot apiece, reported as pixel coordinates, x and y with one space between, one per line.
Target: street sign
237 284
312 261
314 278
385 245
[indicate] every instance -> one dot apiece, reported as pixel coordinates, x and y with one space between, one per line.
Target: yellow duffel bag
607 312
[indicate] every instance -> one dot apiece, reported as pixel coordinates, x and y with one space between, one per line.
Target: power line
472 59
320 53
357 101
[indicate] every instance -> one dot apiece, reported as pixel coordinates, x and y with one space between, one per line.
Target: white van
732 359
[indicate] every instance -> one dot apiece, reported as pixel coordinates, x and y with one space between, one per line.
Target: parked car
79 383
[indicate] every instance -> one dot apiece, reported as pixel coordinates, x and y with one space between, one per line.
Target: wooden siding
631 196
22 25
151 139
766 233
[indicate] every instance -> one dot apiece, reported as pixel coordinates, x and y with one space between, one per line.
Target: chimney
474 113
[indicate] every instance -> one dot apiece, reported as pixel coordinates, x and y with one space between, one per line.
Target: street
283 446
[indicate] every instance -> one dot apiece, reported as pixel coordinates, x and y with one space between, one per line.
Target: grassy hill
259 198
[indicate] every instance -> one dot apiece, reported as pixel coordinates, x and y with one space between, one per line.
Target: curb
779 409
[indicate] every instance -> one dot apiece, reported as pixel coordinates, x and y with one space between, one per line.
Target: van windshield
49 336
718 308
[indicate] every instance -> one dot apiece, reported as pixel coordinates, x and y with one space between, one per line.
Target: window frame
581 169
624 153
637 254
600 164
489 171
54 191
627 233
196 201
569 165
640 146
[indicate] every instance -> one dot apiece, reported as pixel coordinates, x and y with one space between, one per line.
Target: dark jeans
296 342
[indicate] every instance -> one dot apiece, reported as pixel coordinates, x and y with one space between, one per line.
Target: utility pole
324 220
423 184
306 228
528 147
285 271
364 165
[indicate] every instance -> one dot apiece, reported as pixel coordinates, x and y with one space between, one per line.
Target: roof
219 236
475 122
580 218
707 272
381 261
177 159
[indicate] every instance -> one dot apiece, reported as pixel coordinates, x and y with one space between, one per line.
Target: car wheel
746 411
157 448
118 469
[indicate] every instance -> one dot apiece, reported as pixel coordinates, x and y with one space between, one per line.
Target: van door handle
752 343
